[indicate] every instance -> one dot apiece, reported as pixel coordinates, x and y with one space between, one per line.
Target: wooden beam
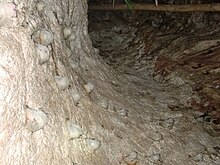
170 8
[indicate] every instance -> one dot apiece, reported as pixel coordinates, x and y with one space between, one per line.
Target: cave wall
179 49
38 108
71 107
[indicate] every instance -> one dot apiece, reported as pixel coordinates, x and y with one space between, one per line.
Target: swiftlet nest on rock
43 37
62 81
74 131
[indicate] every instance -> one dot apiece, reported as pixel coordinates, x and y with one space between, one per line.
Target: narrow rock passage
151 51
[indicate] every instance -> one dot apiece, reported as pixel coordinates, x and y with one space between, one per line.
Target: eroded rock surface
73 108
172 59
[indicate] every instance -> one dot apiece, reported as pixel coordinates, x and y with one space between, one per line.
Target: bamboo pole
170 8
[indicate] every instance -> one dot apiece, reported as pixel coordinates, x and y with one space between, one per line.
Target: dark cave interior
178 51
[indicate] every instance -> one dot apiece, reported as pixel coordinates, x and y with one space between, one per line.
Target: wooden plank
169 8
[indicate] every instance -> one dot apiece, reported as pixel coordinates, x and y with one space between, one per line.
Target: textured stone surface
140 134
173 61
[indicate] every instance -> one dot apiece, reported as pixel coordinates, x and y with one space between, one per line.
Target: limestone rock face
7 13
36 110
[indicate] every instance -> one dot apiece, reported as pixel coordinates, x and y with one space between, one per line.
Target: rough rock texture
75 109
172 59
